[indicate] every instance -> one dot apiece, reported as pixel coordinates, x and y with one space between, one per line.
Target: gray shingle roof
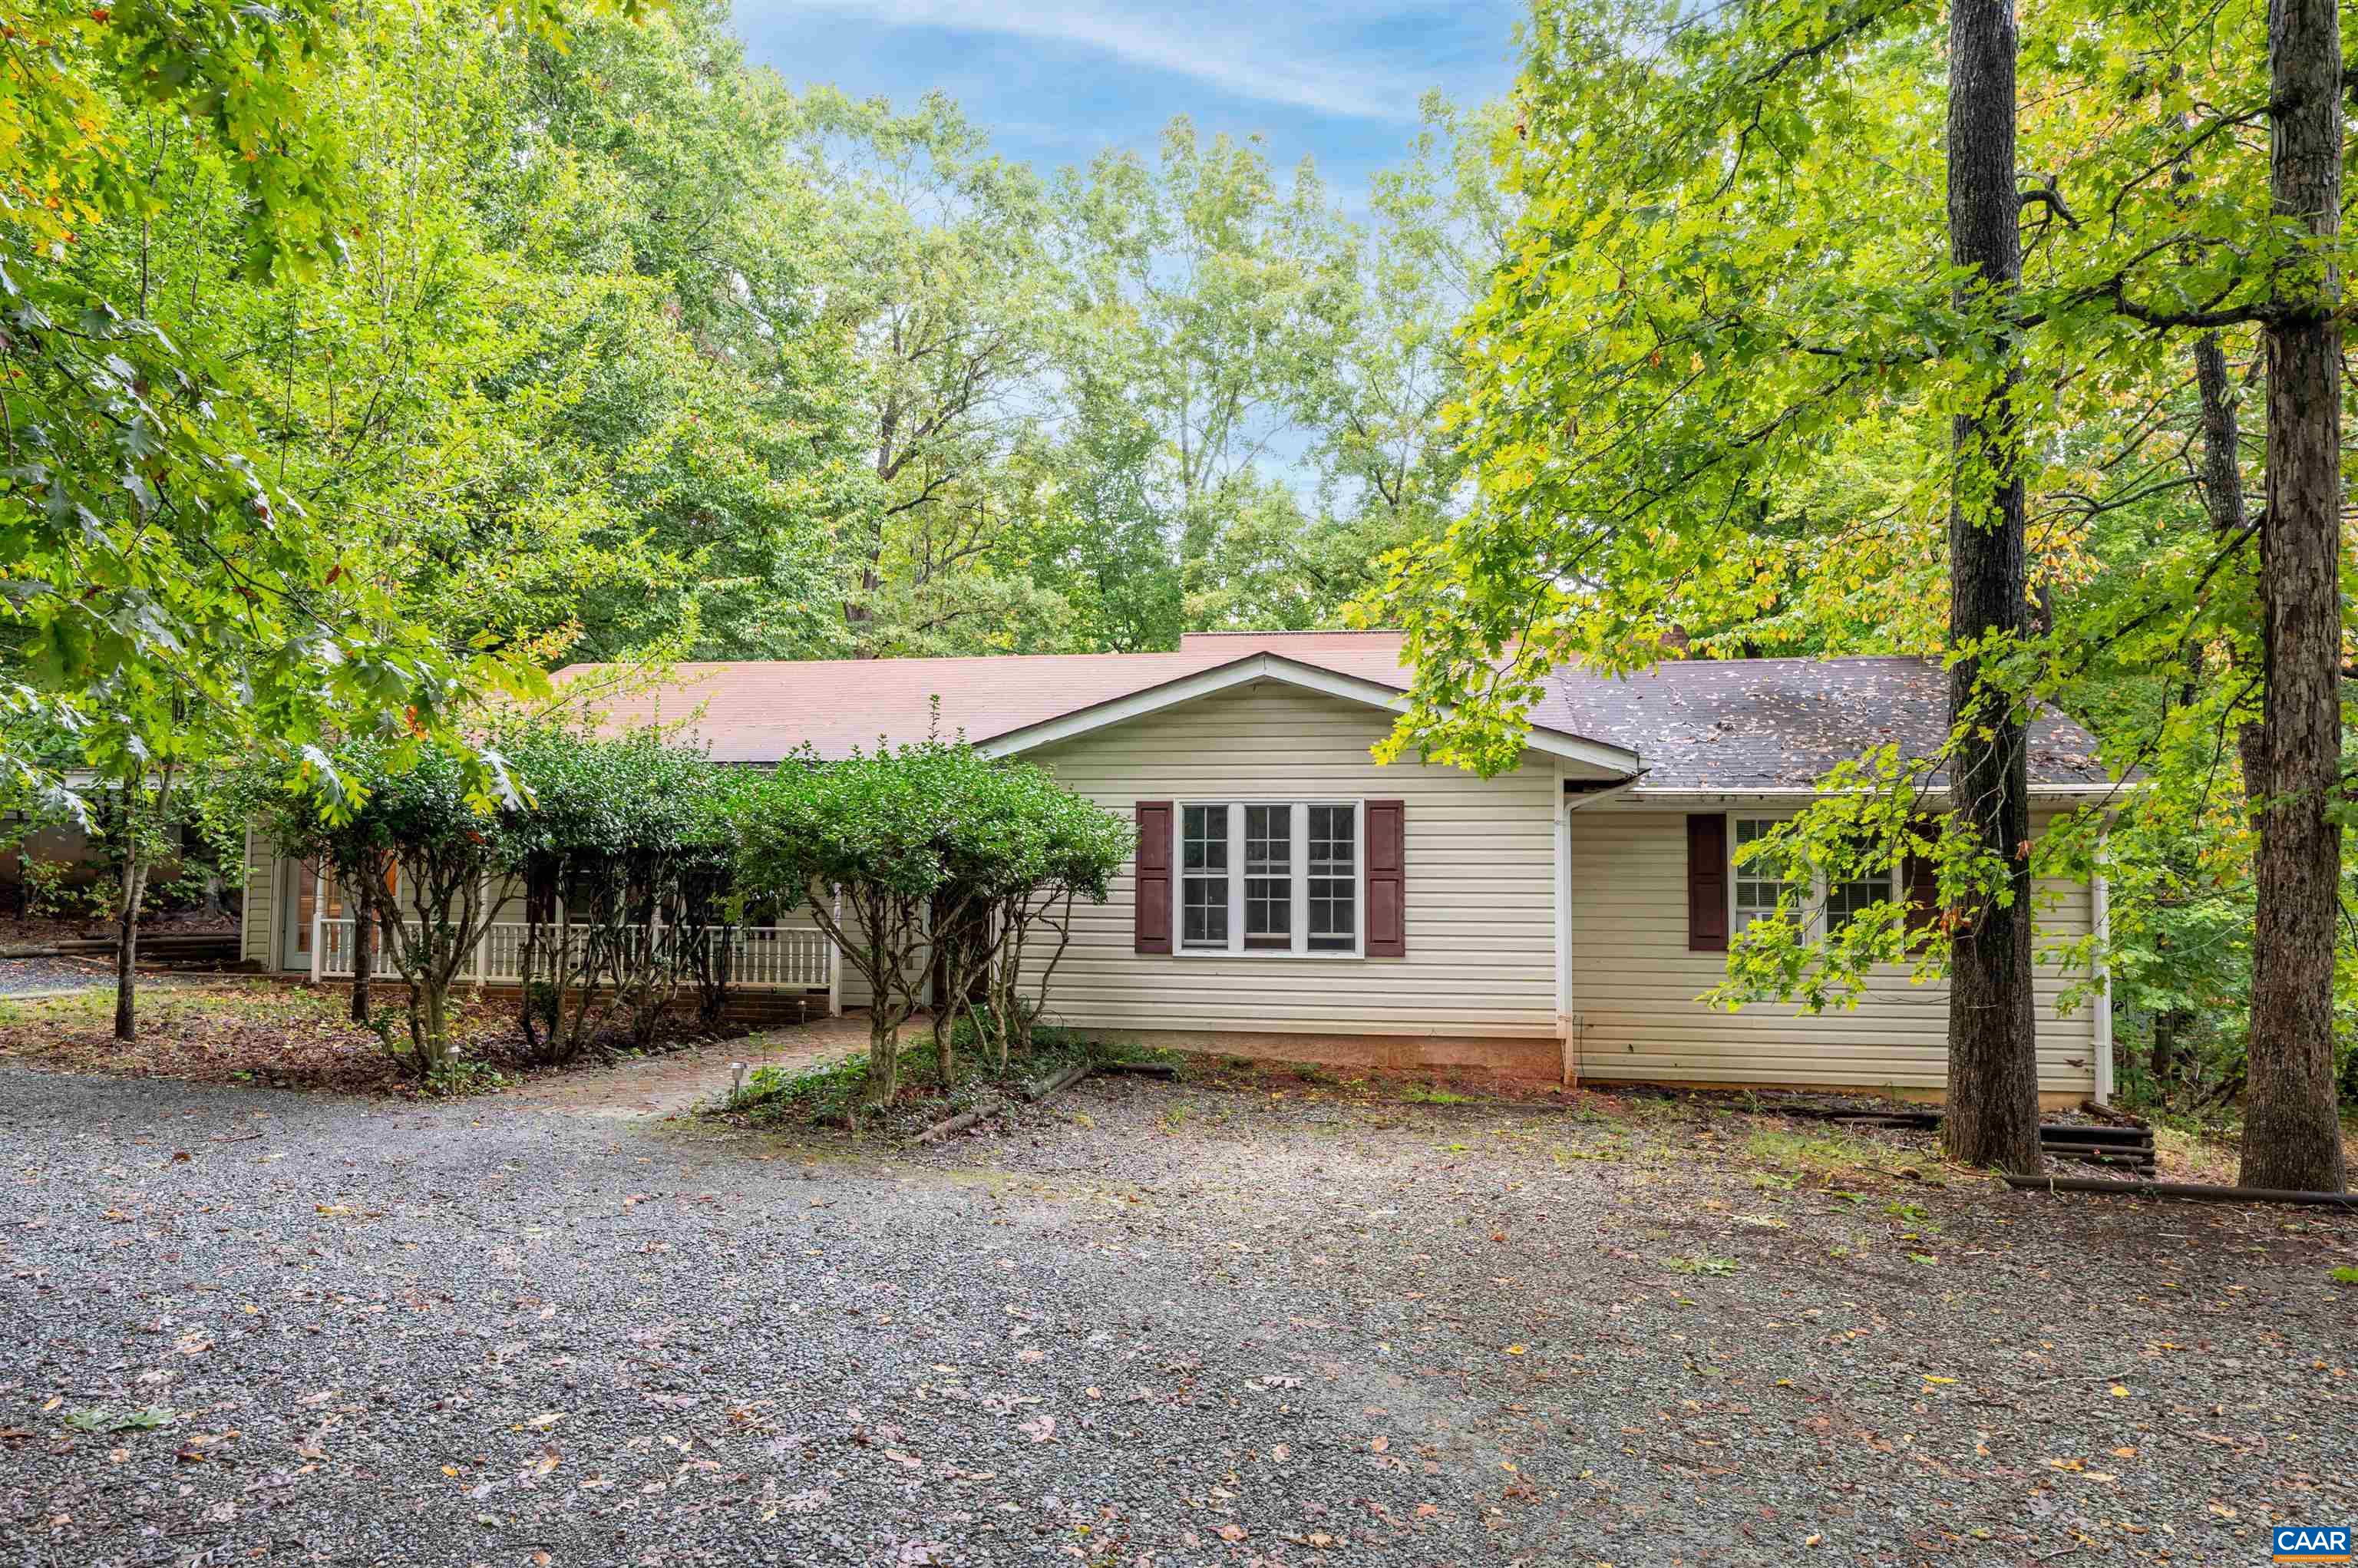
1737 724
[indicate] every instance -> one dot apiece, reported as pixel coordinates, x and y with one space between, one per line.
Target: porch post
2099 895
483 930
834 964
319 922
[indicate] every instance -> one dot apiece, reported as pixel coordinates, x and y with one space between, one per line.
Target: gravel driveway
46 976
1184 1327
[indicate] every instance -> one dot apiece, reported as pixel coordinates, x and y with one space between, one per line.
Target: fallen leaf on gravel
1515 1349
331 1208
2119 1392
1040 1429
2223 1511
2066 1465
1811 1539
1281 1451
193 1345
545 1420
1232 1533
2124 1453
182 1156
1426 1510
1379 1443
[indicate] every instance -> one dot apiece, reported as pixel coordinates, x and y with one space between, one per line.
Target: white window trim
1814 911
1298 864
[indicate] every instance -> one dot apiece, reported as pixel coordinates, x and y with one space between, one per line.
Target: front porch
766 959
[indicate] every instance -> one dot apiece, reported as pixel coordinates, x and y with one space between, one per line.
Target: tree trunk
126 950
363 958
2292 1136
2222 500
2169 1028
1992 1112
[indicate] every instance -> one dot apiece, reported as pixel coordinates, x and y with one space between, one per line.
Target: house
1292 898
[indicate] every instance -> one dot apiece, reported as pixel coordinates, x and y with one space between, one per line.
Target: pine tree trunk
1993 1111
2292 1136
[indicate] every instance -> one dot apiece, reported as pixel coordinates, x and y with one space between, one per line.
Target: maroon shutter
1151 912
1707 883
1386 879
1923 888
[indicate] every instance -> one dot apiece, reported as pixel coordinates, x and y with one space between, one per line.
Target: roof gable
1607 760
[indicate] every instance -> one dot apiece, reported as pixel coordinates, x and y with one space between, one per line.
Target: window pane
1268 912
1846 899
1204 913
1332 926
1760 883
1334 890
1204 839
1331 848
1269 838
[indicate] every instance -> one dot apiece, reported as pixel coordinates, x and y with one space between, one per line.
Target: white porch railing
766 957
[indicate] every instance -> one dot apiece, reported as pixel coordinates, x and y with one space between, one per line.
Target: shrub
923 840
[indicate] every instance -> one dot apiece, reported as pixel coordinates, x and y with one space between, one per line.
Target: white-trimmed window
1268 876
1757 883
1845 899
1204 881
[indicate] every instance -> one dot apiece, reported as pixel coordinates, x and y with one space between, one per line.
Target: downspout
2100 893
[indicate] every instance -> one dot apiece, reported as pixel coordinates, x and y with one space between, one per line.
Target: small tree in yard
623 850
870 825
411 810
928 830
1064 849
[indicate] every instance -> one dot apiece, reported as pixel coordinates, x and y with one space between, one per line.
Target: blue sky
1055 81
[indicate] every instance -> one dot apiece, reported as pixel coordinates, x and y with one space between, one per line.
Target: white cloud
1288 55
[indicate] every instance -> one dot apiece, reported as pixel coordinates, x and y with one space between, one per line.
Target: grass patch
1433 1094
113 1418
1823 1155
1702 1263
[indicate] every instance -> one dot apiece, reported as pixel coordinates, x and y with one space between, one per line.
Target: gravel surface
19 975
1178 1325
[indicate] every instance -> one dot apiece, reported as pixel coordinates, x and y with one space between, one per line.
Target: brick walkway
671 1085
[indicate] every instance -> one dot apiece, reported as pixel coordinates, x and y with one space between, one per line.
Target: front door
299 901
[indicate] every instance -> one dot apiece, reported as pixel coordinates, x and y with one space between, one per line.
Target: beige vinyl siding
1634 984
1480 911
258 926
